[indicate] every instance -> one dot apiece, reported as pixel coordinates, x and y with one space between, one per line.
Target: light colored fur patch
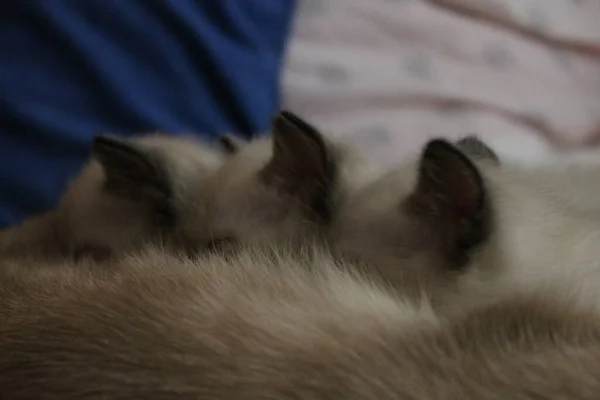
88 218
544 236
246 209
273 325
217 197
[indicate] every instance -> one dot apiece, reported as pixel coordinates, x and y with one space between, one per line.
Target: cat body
277 326
444 293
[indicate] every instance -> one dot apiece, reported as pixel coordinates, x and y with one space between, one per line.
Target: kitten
131 191
279 190
187 196
263 324
283 325
466 229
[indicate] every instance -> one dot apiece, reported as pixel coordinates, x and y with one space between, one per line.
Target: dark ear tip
105 145
287 118
287 114
476 148
436 147
280 123
105 140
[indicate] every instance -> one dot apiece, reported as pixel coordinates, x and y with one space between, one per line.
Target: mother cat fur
267 325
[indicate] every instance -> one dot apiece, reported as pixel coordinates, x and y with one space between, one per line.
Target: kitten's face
281 190
135 191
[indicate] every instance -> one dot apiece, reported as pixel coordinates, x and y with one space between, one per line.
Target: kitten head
423 225
280 190
135 190
464 229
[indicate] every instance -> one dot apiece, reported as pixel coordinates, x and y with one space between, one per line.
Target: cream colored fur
544 237
518 322
535 222
276 326
218 197
244 208
88 219
276 323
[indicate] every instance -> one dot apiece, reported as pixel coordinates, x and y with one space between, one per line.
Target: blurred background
389 74
523 74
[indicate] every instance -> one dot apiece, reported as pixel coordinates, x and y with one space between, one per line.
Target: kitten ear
301 165
474 147
130 172
451 194
230 144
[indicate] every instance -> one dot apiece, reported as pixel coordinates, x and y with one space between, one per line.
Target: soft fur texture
182 194
492 268
280 190
275 326
132 191
467 232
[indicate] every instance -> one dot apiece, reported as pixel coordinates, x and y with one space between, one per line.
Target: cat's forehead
233 195
235 189
386 191
247 162
242 203
180 154
171 144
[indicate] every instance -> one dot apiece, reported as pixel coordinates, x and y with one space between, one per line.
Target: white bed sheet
523 74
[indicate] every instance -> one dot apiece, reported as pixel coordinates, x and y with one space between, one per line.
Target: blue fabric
70 69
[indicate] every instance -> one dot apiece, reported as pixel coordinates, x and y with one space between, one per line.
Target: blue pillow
70 69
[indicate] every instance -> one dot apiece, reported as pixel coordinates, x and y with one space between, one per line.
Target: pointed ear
474 147
302 164
129 171
230 144
451 195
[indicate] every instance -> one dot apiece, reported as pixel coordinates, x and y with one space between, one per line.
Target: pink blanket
391 73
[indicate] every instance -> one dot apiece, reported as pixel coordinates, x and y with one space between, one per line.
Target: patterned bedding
389 73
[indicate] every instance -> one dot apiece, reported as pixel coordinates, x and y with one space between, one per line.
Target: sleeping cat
279 190
130 192
270 324
277 324
467 229
181 194
457 210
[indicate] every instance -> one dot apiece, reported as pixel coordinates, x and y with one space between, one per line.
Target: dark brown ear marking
301 165
451 194
474 147
133 174
230 144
